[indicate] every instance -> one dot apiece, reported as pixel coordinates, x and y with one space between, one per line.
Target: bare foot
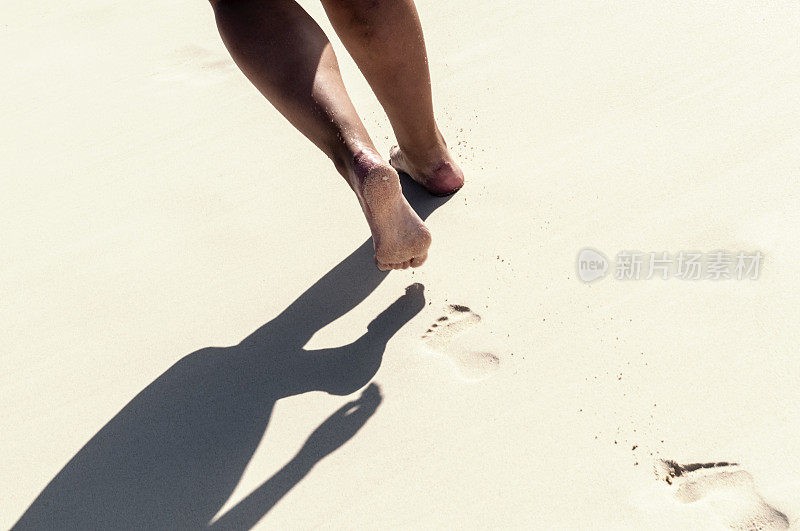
400 238
440 175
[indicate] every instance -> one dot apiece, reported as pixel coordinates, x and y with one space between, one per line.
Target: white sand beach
173 251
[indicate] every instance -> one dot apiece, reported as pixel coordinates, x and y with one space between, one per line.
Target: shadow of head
173 455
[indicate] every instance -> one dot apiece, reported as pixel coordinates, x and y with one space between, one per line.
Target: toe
394 153
419 260
396 159
382 266
405 264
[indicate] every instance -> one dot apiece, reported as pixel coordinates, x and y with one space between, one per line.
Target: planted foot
438 173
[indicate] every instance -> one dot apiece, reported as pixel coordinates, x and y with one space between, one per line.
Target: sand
153 206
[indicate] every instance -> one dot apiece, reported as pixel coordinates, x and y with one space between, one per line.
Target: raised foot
400 237
440 178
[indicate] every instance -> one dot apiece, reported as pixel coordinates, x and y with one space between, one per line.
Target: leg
287 57
384 37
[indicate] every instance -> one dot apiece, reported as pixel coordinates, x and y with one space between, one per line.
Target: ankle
425 158
363 161
354 161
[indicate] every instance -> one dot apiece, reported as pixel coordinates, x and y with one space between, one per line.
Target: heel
380 186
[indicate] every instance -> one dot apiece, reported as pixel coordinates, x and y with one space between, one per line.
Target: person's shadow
173 455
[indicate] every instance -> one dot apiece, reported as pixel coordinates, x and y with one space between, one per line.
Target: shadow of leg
328 437
173 455
344 370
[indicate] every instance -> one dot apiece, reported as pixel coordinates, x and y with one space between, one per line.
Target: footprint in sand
442 335
726 491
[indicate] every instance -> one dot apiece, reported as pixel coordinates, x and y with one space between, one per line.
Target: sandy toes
400 237
443 178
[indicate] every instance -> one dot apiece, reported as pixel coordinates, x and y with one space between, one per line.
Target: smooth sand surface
153 205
